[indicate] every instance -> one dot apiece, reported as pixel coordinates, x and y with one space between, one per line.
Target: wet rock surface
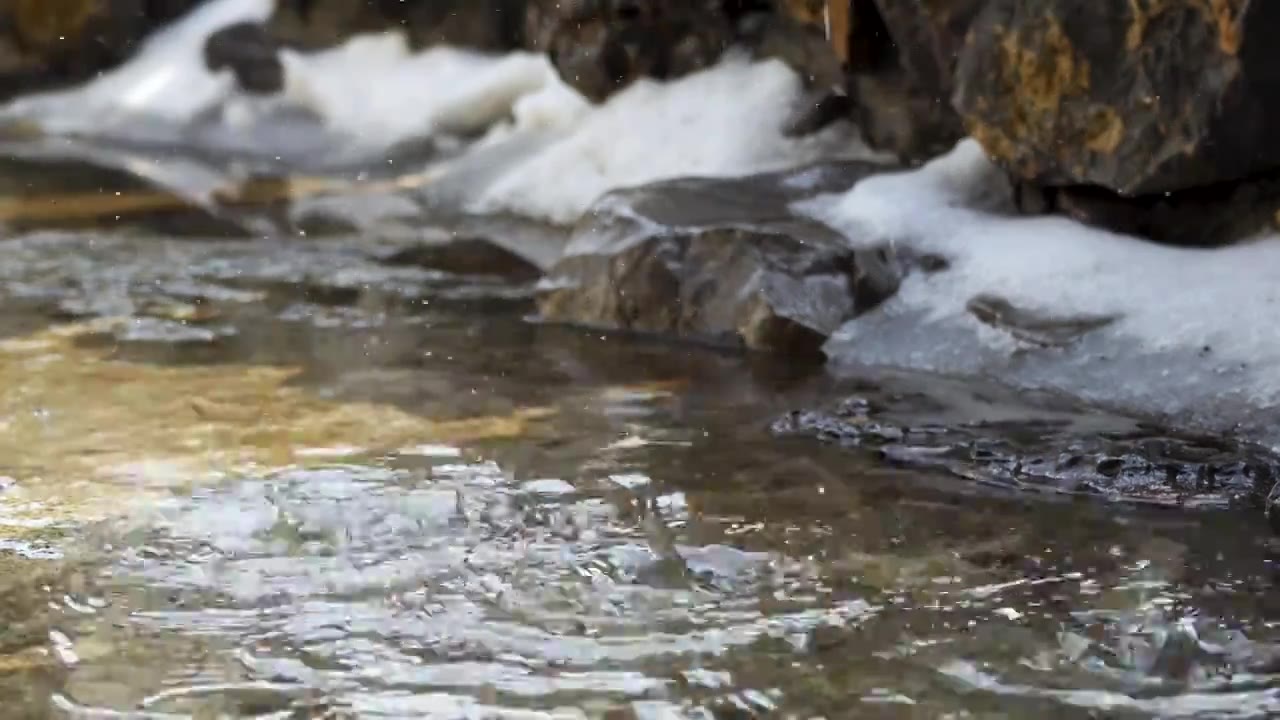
1140 464
722 261
465 255
1138 98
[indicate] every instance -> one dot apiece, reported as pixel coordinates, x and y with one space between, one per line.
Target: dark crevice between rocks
1207 216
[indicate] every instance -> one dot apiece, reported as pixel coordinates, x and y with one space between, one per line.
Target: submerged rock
1139 98
1143 465
466 255
722 261
46 44
49 192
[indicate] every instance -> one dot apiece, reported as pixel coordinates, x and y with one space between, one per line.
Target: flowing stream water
290 478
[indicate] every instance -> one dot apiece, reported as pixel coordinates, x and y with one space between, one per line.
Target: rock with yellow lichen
1139 97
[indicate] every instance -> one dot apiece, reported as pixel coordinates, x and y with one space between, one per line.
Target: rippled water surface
291 478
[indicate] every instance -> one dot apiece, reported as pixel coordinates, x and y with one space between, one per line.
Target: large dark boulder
721 261
1139 97
47 44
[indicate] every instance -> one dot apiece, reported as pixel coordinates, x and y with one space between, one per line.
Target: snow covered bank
1193 333
372 94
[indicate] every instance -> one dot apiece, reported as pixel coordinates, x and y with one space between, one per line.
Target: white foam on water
1203 319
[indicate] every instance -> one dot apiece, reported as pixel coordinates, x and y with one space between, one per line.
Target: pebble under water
290 479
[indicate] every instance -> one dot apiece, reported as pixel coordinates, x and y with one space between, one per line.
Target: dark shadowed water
291 479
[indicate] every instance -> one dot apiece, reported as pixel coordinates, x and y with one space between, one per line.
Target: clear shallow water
286 478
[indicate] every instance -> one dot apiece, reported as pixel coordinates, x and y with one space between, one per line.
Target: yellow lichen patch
42 23
1043 72
1224 17
1106 130
1040 76
1227 15
997 144
86 437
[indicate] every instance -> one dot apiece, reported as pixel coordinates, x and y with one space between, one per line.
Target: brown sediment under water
283 478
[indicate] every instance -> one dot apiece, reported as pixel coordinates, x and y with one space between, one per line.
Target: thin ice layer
1193 335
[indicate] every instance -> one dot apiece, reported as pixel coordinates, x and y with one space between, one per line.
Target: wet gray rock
721 261
1142 465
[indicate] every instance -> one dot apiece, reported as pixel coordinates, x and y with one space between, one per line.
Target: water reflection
292 479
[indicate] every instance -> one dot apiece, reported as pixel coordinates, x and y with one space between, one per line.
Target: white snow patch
721 122
1219 304
376 90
